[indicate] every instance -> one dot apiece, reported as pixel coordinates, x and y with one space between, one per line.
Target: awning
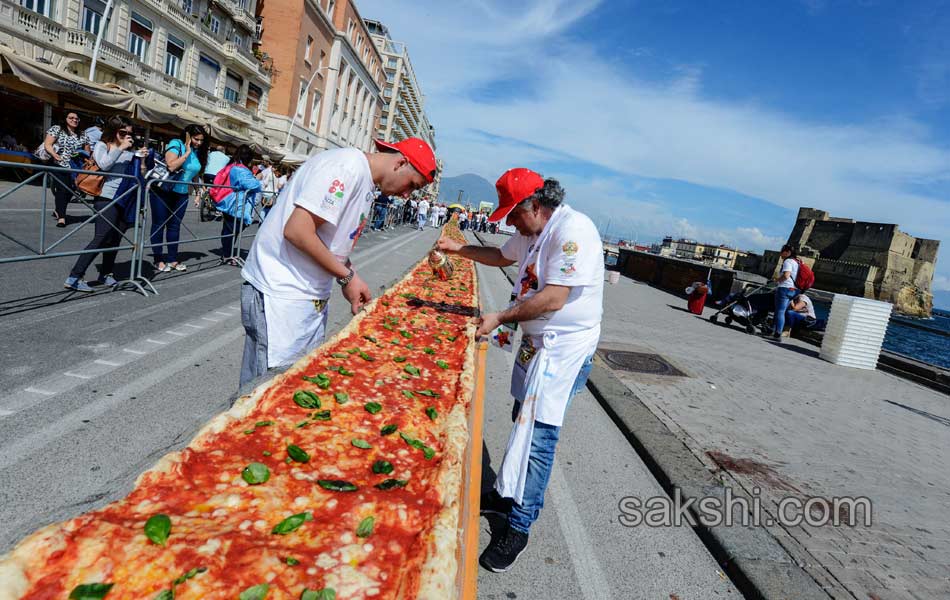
152 112
46 77
293 159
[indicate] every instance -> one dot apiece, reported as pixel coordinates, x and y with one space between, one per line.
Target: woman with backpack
785 290
185 159
237 203
112 155
62 144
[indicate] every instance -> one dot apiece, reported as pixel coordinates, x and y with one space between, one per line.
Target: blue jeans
541 460
381 213
782 298
168 211
797 319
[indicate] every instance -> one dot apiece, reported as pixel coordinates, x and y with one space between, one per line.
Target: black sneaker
492 503
503 550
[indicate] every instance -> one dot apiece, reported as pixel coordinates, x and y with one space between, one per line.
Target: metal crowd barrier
43 251
263 203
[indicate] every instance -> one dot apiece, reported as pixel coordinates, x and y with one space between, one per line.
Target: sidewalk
776 417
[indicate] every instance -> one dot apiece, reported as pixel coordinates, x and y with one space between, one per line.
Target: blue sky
710 120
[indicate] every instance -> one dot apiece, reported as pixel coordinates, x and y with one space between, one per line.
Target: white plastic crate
855 331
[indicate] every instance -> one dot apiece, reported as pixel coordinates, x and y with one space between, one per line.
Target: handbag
160 172
89 183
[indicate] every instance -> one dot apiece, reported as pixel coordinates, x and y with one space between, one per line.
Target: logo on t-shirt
568 268
336 188
356 233
529 281
569 248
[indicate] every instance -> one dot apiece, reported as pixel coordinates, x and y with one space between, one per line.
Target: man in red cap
305 242
558 301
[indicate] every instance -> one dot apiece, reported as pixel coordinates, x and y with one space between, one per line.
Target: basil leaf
413 442
451 338
365 528
301 424
428 350
255 592
382 467
389 484
361 444
411 370
341 397
388 429
428 393
297 453
379 383
336 485
388 326
291 523
334 367
323 415
399 359
352 350
306 399
428 452
405 333
373 407
249 431
409 346
408 295
165 595
370 338
432 413
442 364
408 394
263 423
158 528
345 372
265 453
321 380
290 560
339 355
255 473
366 356
324 594
90 591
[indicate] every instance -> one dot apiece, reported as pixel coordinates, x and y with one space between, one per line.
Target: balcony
235 111
31 25
239 14
203 99
186 20
215 39
158 5
242 56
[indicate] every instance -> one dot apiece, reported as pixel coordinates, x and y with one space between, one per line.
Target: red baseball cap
513 187
417 152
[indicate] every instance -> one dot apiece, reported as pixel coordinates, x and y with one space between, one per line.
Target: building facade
872 260
327 75
181 61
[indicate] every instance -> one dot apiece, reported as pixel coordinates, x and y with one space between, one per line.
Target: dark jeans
109 229
168 211
381 212
63 188
228 223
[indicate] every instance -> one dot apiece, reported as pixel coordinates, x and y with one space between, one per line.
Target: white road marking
210 320
192 326
179 334
77 375
5 413
131 351
108 363
34 390
223 314
150 340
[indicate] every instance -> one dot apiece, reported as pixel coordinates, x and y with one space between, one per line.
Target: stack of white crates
855 332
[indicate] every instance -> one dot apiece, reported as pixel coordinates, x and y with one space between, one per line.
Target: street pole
306 89
103 23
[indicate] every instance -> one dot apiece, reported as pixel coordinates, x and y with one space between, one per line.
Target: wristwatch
343 281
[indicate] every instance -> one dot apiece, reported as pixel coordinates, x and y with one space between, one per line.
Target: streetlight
305 90
103 23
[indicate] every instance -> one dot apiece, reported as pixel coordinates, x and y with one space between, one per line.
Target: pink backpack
222 178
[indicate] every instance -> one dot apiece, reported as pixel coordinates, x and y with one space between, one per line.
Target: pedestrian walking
62 144
237 203
305 245
422 212
185 157
434 216
558 302
785 289
112 155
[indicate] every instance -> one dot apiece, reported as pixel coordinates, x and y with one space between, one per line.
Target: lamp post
103 23
305 90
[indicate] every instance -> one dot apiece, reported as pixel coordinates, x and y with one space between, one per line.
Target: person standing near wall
784 290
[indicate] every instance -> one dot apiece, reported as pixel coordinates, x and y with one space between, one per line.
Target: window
140 35
315 110
391 63
238 40
308 50
188 6
323 56
208 70
43 7
232 88
330 5
91 19
174 56
214 25
349 30
302 99
390 78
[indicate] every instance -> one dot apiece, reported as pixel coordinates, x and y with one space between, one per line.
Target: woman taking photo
238 204
63 142
112 154
185 158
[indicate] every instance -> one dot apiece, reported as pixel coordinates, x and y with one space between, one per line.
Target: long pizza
340 478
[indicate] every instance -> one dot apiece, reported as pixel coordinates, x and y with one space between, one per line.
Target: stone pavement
777 418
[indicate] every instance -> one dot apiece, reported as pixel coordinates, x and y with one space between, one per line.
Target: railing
36 26
179 14
204 98
158 5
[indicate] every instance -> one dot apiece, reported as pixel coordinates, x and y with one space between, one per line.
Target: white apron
294 328
543 376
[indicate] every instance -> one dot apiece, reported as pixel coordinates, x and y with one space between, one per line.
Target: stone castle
873 260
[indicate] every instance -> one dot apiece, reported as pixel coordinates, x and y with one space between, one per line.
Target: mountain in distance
474 189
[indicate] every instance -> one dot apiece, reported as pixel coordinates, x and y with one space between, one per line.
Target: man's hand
449 245
357 292
488 323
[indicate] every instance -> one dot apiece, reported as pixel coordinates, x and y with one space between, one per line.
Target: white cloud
941 283
566 100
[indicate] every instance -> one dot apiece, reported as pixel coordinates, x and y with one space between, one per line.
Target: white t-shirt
809 307
572 256
790 264
423 208
335 185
